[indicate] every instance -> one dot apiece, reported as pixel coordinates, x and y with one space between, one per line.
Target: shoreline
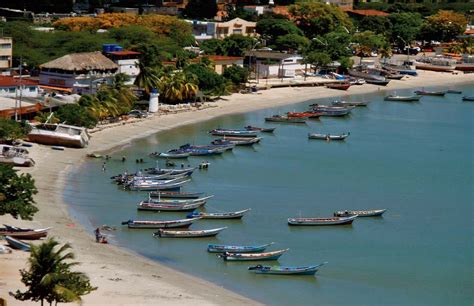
140 277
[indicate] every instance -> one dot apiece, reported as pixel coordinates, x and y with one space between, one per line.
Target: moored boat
222 248
378 82
468 98
24 233
188 234
402 98
169 207
274 255
154 186
285 119
439 64
259 129
221 215
360 213
18 244
231 132
321 221
175 195
174 154
171 171
430 93
238 141
339 86
454 91
160 224
349 103
286 270
177 201
328 136
299 114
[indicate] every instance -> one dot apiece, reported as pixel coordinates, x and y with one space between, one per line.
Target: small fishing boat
354 81
188 234
259 129
171 171
18 244
230 132
347 103
177 201
328 136
274 255
285 119
467 98
238 141
321 221
15 156
299 114
175 195
169 207
378 82
226 147
24 233
402 98
360 213
222 248
160 224
156 185
430 93
174 154
339 86
285 270
453 91
223 215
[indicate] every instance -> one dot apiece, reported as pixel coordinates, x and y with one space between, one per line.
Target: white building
127 62
80 73
16 87
275 64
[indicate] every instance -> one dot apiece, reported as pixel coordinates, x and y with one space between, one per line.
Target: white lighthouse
153 103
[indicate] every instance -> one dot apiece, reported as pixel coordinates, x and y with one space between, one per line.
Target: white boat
322 221
59 135
222 215
169 207
15 156
155 185
188 234
177 201
160 224
328 136
360 213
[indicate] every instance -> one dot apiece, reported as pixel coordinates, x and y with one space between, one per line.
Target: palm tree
178 87
49 277
385 52
148 78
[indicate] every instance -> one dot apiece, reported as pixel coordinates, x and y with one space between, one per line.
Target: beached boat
328 136
360 213
222 215
468 98
18 244
238 141
24 233
402 98
169 207
188 234
339 86
222 248
160 224
175 195
156 185
171 171
362 73
15 156
378 82
231 132
285 119
430 93
285 270
348 103
259 129
406 67
321 221
439 64
59 135
274 255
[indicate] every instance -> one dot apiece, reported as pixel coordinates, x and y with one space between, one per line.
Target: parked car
138 113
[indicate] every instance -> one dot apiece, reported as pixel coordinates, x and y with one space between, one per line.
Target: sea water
414 159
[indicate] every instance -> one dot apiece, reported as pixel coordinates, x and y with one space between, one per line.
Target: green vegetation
236 74
425 7
208 81
49 277
11 130
444 26
201 9
16 193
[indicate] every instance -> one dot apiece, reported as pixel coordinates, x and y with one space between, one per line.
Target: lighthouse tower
153 103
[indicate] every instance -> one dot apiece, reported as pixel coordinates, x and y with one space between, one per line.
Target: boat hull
17 244
161 207
275 255
360 213
184 223
26 235
219 248
188 234
321 221
282 270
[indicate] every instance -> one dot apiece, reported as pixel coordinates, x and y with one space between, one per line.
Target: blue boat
284 270
18 244
221 248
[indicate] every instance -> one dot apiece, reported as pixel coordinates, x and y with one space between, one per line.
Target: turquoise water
415 159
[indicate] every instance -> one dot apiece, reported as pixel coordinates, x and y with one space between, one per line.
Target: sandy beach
125 278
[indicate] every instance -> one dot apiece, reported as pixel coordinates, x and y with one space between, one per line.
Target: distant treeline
426 8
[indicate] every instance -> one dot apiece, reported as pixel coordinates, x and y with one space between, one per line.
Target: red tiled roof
124 52
11 81
367 12
217 58
469 32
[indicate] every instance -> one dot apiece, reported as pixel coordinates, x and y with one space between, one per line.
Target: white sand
125 278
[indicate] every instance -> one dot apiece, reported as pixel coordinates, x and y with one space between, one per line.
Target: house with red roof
127 62
16 86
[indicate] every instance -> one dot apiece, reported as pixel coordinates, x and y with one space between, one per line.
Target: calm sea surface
415 159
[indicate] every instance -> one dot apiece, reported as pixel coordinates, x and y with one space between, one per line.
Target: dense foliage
49 277
208 81
11 130
444 26
233 45
236 74
271 29
74 114
16 193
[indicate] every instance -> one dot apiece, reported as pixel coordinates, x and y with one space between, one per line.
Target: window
4 58
237 31
11 89
288 61
32 88
5 46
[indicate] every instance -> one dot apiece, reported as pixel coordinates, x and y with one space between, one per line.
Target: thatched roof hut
87 61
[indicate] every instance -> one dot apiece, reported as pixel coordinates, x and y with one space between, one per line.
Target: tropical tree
49 277
293 42
443 26
148 78
366 42
75 114
236 74
16 193
208 81
177 87
11 130
316 59
405 27
272 28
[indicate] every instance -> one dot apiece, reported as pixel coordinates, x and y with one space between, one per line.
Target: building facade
127 62
235 26
15 87
6 52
